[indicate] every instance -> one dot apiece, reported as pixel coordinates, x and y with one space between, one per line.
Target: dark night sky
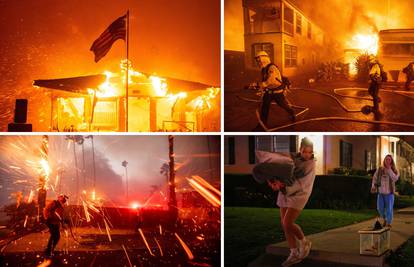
51 39
145 155
339 18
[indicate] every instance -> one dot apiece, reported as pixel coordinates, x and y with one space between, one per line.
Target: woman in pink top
383 183
292 203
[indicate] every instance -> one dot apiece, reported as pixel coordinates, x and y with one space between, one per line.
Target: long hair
393 168
306 142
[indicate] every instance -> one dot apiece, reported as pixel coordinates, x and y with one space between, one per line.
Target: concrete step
332 258
409 210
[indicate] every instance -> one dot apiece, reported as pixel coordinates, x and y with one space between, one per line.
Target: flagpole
126 74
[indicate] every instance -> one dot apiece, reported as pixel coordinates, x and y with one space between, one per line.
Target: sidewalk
340 246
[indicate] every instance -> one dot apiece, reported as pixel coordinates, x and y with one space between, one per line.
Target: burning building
99 103
293 41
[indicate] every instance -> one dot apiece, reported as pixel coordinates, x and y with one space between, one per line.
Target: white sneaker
292 259
304 248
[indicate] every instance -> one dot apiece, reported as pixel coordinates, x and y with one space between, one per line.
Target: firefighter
409 72
272 86
376 78
53 214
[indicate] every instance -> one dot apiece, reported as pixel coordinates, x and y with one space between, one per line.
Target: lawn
404 256
247 231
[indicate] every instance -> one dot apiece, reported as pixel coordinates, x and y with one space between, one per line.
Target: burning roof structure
98 103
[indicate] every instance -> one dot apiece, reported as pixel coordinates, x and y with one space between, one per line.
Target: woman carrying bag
383 183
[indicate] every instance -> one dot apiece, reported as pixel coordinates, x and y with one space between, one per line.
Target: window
368 160
273 143
398 49
345 154
252 150
262 19
298 24
309 30
268 47
288 20
230 150
291 56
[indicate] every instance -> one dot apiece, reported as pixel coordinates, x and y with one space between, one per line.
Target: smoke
339 19
44 39
359 17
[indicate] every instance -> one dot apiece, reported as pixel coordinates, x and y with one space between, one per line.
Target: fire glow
366 43
210 197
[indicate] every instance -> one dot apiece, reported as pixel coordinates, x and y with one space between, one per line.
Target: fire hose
337 92
71 232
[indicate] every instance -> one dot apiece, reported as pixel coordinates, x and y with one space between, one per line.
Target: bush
350 171
329 191
242 190
362 67
341 192
404 187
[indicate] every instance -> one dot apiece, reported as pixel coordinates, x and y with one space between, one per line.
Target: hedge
329 191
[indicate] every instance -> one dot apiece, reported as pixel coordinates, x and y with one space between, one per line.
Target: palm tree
172 203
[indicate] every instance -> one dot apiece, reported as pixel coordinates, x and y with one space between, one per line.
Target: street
332 108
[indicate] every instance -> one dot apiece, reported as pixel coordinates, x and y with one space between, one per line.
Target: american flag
115 31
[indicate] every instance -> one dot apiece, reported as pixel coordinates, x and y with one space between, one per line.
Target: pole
76 167
41 195
83 166
126 178
93 159
125 164
126 73
172 204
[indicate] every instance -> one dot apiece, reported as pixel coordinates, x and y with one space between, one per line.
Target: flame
203 102
159 85
158 244
214 200
145 241
30 199
366 43
135 205
44 168
206 184
107 230
115 86
360 43
129 261
185 247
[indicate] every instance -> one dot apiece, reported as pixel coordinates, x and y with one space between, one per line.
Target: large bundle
274 166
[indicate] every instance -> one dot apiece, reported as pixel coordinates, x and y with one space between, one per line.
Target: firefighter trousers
54 238
280 99
373 90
